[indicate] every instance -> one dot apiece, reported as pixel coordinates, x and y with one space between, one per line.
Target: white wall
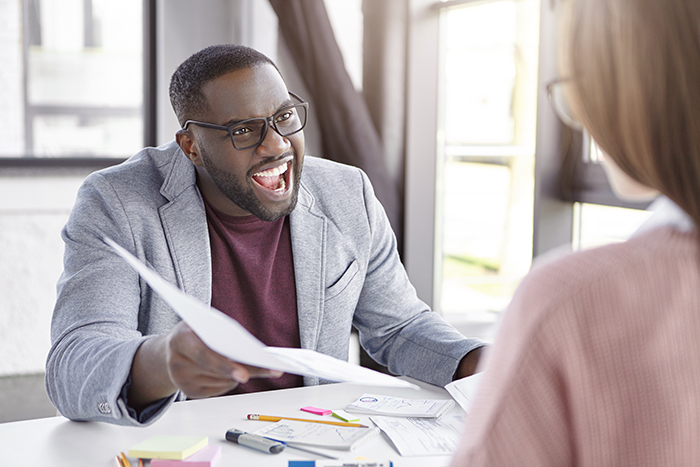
33 209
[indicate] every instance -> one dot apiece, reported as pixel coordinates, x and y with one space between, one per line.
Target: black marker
251 440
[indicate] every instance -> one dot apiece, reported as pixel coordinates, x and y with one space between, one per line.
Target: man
226 214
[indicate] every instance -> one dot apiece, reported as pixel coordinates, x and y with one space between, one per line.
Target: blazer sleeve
95 325
396 328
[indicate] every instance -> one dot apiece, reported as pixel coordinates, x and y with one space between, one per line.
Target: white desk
58 442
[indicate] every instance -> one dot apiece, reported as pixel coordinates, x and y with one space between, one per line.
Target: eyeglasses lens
286 122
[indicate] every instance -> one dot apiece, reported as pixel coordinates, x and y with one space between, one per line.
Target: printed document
423 437
463 390
229 338
375 404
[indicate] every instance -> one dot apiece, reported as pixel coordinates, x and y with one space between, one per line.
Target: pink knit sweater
597 362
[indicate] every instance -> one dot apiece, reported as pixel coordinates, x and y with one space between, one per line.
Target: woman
597 362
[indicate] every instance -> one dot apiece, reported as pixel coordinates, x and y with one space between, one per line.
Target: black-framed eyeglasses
559 104
250 133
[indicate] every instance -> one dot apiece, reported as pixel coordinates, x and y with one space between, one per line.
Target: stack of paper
374 404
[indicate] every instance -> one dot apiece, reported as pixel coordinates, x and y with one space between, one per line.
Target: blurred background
485 177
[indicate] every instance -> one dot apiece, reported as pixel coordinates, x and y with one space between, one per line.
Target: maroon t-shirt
253 282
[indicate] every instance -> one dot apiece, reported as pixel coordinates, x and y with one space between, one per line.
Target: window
74 69
486 158
600 217
597 224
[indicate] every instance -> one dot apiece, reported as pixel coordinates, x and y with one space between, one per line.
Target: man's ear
188 145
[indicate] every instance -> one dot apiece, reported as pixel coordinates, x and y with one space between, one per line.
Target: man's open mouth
275 179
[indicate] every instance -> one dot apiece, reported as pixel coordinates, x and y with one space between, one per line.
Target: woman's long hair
635 85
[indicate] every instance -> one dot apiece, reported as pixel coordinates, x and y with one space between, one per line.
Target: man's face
264 180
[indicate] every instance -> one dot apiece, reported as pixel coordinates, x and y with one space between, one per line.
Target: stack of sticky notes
177 451
345 416
316 410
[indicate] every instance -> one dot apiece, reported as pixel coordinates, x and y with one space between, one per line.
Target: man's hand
180 360
469 363
199 371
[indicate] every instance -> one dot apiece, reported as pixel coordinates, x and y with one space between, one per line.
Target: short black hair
186 83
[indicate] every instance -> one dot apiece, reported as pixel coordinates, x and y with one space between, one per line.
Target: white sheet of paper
463 390
227 337
377 404
423 436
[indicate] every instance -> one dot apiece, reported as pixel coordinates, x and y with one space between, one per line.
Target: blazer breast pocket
342 283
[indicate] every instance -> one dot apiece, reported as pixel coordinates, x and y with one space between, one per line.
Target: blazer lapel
185 226
308 230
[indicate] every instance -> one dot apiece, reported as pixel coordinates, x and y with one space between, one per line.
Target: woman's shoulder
598 272
662 244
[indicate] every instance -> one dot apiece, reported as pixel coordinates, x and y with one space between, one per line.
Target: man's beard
244 196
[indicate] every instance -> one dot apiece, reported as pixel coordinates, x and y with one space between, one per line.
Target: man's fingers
201 372
208 387
190 348
240 373
257 372
212 362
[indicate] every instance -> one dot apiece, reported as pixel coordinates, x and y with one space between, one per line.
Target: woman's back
600 363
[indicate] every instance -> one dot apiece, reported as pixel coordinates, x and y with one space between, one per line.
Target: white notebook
374 404
320 435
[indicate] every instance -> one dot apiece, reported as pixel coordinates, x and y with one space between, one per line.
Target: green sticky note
168 447
346 417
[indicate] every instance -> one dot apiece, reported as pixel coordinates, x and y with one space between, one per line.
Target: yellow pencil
273 418
125 461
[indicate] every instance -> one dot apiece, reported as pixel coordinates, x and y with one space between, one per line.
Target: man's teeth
272 179
273 172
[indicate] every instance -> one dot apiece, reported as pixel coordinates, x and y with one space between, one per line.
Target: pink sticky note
316 410
205 457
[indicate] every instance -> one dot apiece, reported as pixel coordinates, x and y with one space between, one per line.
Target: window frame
149 100
589 183
558 187
553 209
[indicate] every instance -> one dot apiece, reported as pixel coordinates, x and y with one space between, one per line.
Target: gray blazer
346 267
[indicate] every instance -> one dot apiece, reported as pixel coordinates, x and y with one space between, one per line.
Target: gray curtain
384 79
348 132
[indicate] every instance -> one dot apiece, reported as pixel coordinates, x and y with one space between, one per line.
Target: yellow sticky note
168 447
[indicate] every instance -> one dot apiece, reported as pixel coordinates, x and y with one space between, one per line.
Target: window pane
11 101
480 74
77 67
489 90
77 136
601 225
